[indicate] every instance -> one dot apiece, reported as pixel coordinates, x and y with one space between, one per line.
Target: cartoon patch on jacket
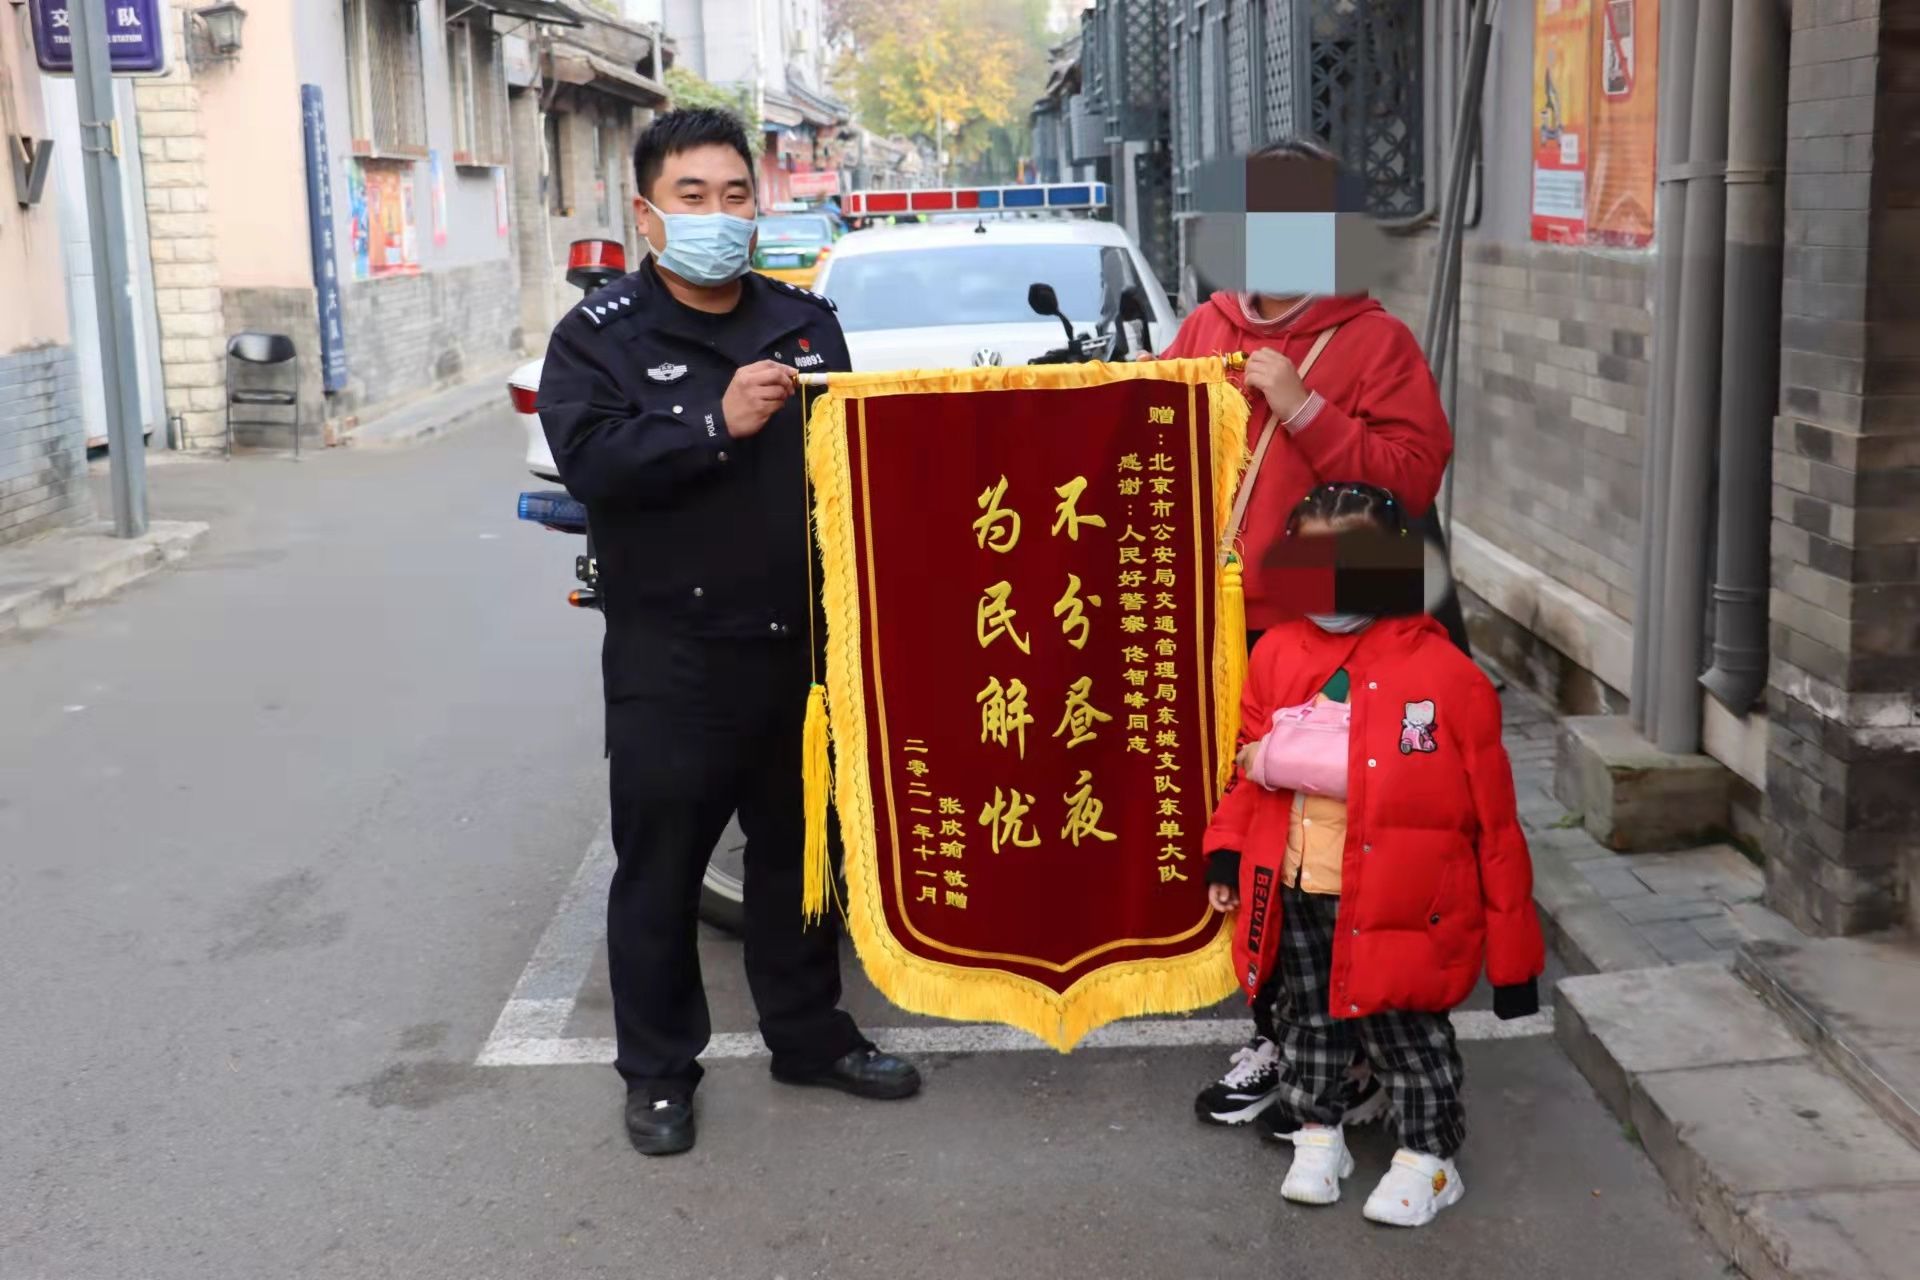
1416 728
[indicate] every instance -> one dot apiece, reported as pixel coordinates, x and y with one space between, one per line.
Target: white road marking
531 1029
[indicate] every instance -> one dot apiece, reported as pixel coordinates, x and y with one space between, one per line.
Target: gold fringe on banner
910 981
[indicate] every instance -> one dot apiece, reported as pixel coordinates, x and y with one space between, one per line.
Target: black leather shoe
659 1128
864 1073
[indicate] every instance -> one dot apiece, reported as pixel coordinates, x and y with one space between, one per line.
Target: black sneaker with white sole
1246 1089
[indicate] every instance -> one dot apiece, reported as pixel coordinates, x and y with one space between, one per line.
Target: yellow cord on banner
816 769
1233 666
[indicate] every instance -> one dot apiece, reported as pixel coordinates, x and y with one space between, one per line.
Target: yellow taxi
794 246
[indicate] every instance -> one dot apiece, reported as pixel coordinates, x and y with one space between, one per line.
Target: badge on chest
667 373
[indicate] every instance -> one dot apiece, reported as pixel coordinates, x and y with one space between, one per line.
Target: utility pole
112 277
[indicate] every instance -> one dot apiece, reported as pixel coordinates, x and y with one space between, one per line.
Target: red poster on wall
1561 38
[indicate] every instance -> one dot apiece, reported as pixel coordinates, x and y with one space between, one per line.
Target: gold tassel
816 782
1233 668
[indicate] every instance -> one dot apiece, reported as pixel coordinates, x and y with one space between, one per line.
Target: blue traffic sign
136 36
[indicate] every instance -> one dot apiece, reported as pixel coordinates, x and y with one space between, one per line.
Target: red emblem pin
805 345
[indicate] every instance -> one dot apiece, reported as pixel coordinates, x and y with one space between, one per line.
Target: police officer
669 399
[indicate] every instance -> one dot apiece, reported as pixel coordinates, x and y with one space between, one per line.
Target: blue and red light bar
1037 197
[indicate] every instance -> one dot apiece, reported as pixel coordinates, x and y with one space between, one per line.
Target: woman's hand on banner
757 392
1222 898
1277 379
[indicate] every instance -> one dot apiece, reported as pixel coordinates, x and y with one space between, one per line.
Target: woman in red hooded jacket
1345 390
1372 852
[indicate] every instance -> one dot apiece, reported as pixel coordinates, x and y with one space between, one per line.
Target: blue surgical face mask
708 249
1341 624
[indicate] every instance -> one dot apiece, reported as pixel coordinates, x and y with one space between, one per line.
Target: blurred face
1350 564
709 179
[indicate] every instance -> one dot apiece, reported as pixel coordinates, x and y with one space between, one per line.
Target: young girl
1371 847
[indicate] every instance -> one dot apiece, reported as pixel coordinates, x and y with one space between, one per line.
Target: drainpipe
1696 391
1750 349
1678 34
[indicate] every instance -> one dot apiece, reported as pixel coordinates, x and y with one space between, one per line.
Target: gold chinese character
1135 699
958 900
951 827
1132 578
1136 724
1129 462
956 879
1134 676
1160 485
993 617
1003 713
999 528
1166 648
1172 853
1081 715
953 849
1160 413
1133 653
1166 693
1165 671
918 768
1160 462
1139 745
1164 624
1169 831
1131 535
1005 820
1134 601
1169 808
1162 509
928 893
1132 623
1168 763
1167 738
1163 533
921 831
1164 555
1130 487
1083 812
1169 873
1067 514
1069 605
1167 715
1132 555
1163 578
1162 785
949 805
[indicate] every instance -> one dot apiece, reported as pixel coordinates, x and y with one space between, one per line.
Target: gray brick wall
292 312
1552 410
43 447
412 334
1843 821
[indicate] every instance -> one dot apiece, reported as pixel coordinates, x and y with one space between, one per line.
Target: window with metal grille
477 81
389 102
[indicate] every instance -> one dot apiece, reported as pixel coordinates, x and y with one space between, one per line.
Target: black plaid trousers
1413 1054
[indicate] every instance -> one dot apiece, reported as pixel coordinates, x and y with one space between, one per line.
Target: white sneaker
1248 1088
1320 1160
1417 1187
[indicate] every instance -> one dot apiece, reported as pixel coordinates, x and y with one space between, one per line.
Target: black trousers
717 733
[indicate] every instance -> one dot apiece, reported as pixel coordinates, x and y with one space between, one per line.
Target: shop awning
531 10
577 66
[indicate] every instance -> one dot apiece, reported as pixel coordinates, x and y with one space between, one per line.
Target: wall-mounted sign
326 274
136 36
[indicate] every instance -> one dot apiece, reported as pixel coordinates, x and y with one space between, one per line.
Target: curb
437 415
117 565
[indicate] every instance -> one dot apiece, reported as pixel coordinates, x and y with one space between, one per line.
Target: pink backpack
1305 750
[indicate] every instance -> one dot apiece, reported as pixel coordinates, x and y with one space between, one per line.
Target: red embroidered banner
1023 638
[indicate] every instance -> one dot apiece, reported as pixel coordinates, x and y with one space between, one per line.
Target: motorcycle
592 264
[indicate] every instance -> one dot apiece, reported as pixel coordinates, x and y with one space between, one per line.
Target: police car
954 291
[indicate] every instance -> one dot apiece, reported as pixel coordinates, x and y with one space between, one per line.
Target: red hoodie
1381 423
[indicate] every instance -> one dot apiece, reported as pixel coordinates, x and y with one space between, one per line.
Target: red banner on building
1023 643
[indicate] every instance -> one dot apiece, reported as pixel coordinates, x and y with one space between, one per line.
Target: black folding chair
259 350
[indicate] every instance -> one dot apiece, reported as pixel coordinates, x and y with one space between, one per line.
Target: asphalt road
279 833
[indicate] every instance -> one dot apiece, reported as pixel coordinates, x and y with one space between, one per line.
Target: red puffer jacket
1436 879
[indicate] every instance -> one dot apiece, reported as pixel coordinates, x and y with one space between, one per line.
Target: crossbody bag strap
1245 493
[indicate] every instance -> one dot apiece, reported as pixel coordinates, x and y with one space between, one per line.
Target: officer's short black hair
683 130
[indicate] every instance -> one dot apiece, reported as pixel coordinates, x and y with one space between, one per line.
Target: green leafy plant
689 90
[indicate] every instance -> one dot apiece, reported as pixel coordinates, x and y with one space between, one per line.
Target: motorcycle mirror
1046 302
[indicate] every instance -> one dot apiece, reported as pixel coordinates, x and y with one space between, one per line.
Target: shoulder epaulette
609 303
794 290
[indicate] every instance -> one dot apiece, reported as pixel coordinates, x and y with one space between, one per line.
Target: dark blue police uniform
702 545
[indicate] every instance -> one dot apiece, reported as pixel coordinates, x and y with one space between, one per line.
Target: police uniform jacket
695 533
